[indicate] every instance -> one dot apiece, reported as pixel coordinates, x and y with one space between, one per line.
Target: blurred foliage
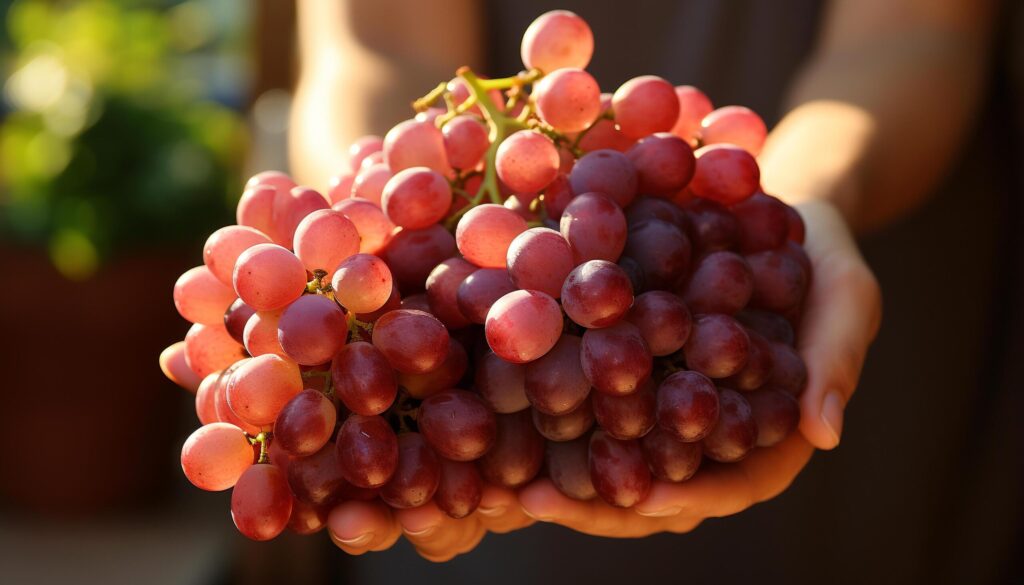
113 140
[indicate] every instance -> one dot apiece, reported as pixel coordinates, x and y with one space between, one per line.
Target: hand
357 527
841 318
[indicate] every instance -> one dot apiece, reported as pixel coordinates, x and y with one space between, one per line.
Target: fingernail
673 511
358 541
425 532
832 415
494 511
536 517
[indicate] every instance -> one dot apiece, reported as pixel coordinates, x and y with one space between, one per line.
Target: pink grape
568 99
305 424
565 427
734 125
595 228
776 415
485 232
415 144
618 470
663 320
555 40
223 247
393 302
527 161
416 197
501 384
362 283
375 158
626 417
200 297
339 188
616 359
447 375
465 141
367 451
261 387
735 434
290 208
607 172
206 398
373 226
555 383
718 346
260 333
664 163
209 348
261 503
363 379
523 325
460 490
603 134
175 367
416 302
413 342
645 105
442 289
416 476
669 458
693 106
478 291
363 147
540 259
721 283
687 405
412 254
256 209
325 238
457 425
215 456
596 294
268 277
568 466
725 173
764 223
369 183
312 329
220 402
517 454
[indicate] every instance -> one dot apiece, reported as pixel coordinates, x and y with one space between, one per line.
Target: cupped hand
358 527
841 317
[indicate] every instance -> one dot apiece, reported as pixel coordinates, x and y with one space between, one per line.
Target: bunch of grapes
528 277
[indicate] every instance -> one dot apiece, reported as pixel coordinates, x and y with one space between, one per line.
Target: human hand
841 317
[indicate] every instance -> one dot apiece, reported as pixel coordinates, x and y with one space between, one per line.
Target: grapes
465 141
306 519
776 415
369 183
268 277
693 107
261 504
317 480
414 143
362 283
236 318
261 387
478 292
373 226
664 163
442 289
735 434
260 333
485 233
780 282
412 254
523 325
724 173
645 105
789 373
721 283
713 227
554 383
457 424
607 172
174 366
517 453
447 375
568 99
201 298
764 223
555 40
759 366
718 346
603 134
616 359
565 427
626 417
305 424
644 208
568 466
661 250
367 451
416 197
414 342
289 210
501 384
597 294
687 406
215 456
527 161
209 348
595 228
416 476
362 148
363 379
618 470
460 490
255 209
734 125
206 394
663 321
223 247
312 329
669 458
540 259
324 238
771 325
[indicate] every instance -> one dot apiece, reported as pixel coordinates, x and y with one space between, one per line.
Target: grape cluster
535 278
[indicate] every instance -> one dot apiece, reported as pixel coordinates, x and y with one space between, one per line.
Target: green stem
428 100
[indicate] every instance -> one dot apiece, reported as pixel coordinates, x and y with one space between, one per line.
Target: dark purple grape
501 384
555 383
662 250
779 281
416 302
412 254
417 475
565 427
735 434
759 366
763 222
664 163
363 379
627 417
305 424
634 271
644 208
318 479
442 287
776 413
596 294
663 320
413 342
713 227
772 326
717 347
480 289
790 372
669 458
517 454
235 319
568 466
595 228
608 172
618 470
721 283
795 230
460 490
367 450
687 405
616 359
457 424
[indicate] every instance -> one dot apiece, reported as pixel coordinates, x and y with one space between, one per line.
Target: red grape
442 290
540 259
362 283
215 456
363 379
721 283
478 292
607 172
312 329
555 383
501 384
718 346
417 475
693 106
565 427
597 294
305 424
725 173
523 325
261 504
595 228
663 320
664 163
457 424
626 417
734 125
735 434
776 414
616 359
415 143
416 198
568 466
460 490
485 232
687 405
618 470
201 298
669 458
568 99
555 40
412 254
268 277
645 105
527 161
367 451
517 454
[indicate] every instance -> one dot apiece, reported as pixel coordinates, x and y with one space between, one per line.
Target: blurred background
127 128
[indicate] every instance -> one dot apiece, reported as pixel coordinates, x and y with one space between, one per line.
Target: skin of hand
841 318
358 527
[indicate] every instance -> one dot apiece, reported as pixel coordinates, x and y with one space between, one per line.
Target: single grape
565 427
734 125
339 188
261 387
235 319
223 247
373 226
662 251
663 321
759 367
363 147
721 283
256 208
413 342
417 475
209 348
797 252
712 226
324 238
416 198
718 346
261 504
460 490
465 141
693 107
260 333
669 458
555 383
616 359
626 417
478 292
317 480
568 99
555 40
206 399
415 144
201 298
764 223
394 302
501 384
215 456
442 290
175 368
375 158
290 208
558 194
644 208
735 434
789 373
645 105
367 451
523 325
412 254
457 424
595 228
485 233
780 282
268 277
664 163
517 454
416 302
618 470
773 326
362 283
687 405
776 414
527 161
796 229
568 466
540 259
725 173
312 329
607 172
305 424
363 379
604 134
597 294
370 181
221 408
446 376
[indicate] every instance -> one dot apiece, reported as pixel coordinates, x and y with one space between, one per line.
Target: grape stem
264 441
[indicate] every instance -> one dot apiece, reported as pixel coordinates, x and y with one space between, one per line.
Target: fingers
357 527
500 511
544 502
436 536
841 319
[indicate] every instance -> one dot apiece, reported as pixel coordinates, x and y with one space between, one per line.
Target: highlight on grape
527 277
